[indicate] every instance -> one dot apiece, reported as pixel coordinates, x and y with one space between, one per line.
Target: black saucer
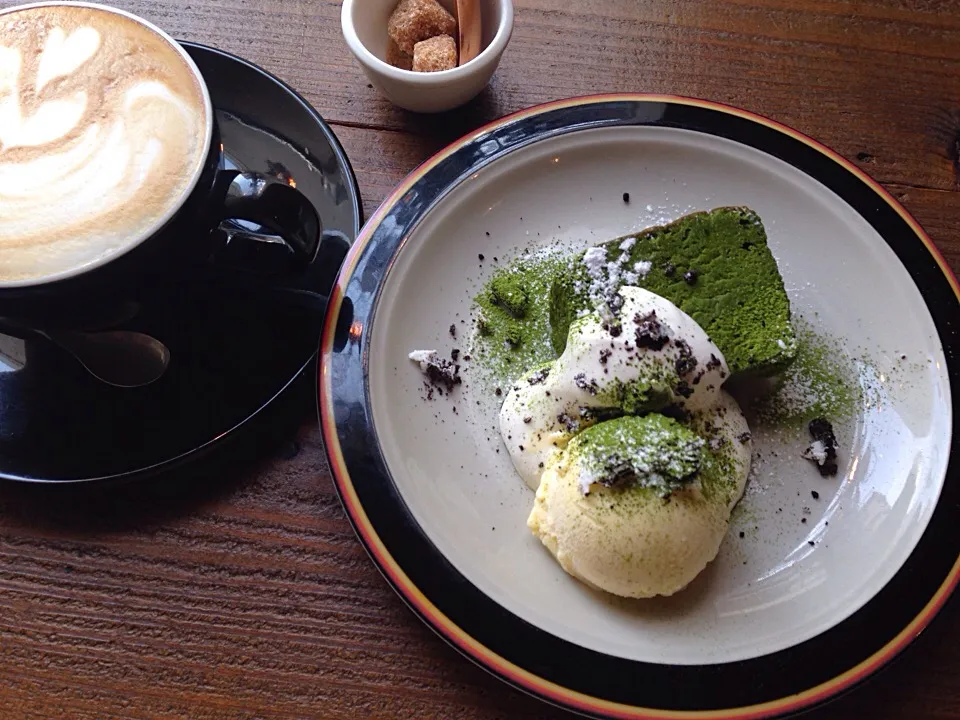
236 348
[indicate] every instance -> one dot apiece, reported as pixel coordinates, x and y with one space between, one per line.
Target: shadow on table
138 504
439 130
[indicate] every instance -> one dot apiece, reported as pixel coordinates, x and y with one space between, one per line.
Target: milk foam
102 132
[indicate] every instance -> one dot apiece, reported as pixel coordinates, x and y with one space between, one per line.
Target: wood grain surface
238 589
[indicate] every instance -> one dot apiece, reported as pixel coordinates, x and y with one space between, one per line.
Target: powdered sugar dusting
607 276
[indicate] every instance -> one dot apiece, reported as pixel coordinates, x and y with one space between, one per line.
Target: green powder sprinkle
513 320
684 450
652 451
822 381
720 473
508 292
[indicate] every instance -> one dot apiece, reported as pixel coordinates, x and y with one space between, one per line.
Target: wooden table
239 590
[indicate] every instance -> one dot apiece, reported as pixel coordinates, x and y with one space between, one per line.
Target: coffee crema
103 131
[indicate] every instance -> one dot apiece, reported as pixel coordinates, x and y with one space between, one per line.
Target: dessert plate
235 348
818 583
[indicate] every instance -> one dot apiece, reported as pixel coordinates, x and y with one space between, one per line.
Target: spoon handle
13 329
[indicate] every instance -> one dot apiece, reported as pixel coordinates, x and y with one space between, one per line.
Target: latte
104 128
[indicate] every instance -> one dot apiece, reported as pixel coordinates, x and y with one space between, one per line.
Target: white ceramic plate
812 597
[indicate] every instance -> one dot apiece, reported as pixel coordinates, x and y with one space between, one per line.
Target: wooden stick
469 26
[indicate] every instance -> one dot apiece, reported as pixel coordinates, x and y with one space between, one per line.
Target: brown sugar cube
437 53
397 57
416 20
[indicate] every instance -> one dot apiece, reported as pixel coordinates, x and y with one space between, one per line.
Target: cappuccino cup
111 168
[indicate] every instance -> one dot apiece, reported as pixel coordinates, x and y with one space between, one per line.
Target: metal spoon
121 358
468 22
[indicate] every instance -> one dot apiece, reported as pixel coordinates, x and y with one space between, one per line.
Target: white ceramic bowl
364 25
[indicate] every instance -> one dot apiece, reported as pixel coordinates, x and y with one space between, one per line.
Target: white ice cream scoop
639 541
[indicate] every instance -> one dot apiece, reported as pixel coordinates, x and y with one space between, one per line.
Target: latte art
103 130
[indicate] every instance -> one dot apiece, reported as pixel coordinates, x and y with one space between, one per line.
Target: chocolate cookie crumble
615 329
539 376
441 373
686 361
650 331
823 449
589 385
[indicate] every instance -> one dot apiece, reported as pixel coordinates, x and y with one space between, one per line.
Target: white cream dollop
545 408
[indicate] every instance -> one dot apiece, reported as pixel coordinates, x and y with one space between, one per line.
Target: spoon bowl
121 358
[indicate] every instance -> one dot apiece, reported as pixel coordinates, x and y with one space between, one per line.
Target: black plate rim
311 362
366 489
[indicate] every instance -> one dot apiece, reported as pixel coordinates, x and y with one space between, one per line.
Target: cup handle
291 226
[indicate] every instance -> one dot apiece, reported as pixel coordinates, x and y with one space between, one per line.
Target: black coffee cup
193 242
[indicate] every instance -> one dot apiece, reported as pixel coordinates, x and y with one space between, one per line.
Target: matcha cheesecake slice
715 266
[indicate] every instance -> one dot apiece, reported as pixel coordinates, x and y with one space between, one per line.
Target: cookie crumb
441 373
823 449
